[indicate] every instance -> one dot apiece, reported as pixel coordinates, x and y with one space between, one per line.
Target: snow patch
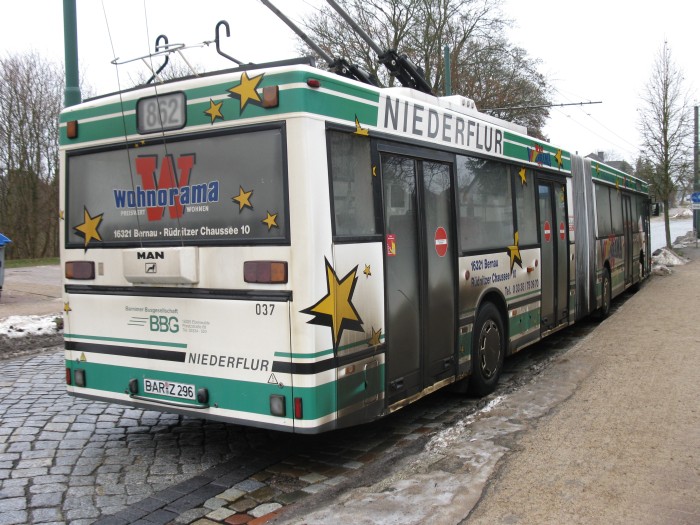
447 437
24 325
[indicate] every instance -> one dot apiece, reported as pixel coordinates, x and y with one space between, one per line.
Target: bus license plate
168 388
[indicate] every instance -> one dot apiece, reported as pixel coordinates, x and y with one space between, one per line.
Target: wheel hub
489 348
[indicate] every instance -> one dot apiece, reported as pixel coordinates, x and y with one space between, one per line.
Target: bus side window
616 209
602 205
525 207
354 207
485 204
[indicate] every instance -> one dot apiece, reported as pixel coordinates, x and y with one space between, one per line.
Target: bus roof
238 97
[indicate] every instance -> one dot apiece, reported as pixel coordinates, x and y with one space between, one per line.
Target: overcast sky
599 50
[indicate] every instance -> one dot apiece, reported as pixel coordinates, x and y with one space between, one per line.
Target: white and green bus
282 247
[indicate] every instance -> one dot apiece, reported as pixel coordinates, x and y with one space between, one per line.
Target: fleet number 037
264 309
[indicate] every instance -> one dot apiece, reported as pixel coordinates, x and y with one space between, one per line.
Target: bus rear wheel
488 350
604 309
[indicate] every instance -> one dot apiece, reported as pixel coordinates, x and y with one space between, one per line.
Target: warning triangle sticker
82 357
272 380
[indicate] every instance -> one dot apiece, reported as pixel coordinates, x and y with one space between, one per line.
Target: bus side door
554 234
420 274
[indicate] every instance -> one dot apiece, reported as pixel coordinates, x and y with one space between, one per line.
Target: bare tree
485 66
31 97
665 125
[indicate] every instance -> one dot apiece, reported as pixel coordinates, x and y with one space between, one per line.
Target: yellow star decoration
597 169
61 215
245 91
514 250
523 176
375 338
67 308
271 221
367 271
214 110
88 229
359 130
335 309
559 159
243 199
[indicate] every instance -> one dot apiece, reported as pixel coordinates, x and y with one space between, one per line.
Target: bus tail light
68 376
202 396
271 97
72 129
266 272
278 405
81 270
298 408
79 377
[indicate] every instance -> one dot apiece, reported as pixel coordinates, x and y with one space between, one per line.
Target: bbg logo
161 323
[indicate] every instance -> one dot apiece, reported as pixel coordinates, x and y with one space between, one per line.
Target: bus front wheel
488 350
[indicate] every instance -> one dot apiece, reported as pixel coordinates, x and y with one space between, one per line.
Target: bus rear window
228 189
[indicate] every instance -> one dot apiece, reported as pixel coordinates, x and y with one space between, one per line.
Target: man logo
150 255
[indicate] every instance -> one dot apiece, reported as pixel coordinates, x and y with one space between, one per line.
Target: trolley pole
70 42
448 72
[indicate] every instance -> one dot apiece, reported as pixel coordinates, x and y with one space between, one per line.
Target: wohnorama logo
166 187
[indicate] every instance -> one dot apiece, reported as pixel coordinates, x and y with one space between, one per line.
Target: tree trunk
667 223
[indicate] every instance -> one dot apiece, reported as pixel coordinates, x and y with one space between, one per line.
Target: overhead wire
629 149
123 116
173 174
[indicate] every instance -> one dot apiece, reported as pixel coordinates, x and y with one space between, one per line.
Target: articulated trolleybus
279 246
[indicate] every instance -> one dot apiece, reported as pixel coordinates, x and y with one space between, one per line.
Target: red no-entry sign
547 231
441 241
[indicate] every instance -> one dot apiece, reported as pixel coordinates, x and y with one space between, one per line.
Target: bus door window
352 185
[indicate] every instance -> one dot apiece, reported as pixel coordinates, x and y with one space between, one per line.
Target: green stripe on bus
227 394
121 340
524 322
289 355
111 122
291 101
328 351
517 147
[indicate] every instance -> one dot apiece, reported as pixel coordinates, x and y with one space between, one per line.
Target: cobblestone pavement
69 460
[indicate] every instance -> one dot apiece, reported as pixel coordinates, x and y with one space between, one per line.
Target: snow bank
680 213
665 257
23 325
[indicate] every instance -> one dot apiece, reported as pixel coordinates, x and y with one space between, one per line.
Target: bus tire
604 309
638 285
488 350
